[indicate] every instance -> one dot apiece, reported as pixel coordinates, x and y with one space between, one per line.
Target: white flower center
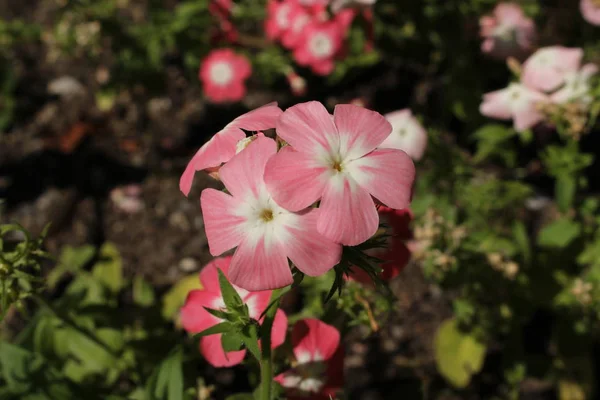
221 73
321 45
282 16
308 377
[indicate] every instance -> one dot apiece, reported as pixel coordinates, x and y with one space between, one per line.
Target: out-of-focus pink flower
195 318
396 255
337 5
127 198
297 83
516 102
507 31
222 146
590 9
407 134
299 18
265 234
336 159
547 68
223 74
318 372
279 15
318 46
577 86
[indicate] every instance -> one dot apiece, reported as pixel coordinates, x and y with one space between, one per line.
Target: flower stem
266 370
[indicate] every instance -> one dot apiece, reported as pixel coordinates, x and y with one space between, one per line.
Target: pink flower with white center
336 159
318 371
547 68
320 43
223 146
279 17
590 9
407 134
195 318
265 233
299 18
223 74
516 102
577 86
507 32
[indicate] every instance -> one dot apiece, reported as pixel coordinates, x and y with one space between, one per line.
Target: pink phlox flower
318 369
265 233
335 159
516 102
223 74
590 9
547 68
507 32
299 18
319 45
195 318
577 86
279 17
407 134
223 145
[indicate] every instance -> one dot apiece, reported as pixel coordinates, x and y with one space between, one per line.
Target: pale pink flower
319 369
407 134
223 74
320 43
336 159
516 102
577 86
265 233
196 319
507 31
546 68
590 9
222 146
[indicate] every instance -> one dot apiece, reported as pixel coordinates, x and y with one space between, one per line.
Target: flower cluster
507 31
552 75
337 162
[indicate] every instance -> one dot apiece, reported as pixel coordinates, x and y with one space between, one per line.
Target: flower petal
314 340
222 224
212 350
279 330
348 214
209 277
259 119
308 127
294 179
360 130
194 318
387 174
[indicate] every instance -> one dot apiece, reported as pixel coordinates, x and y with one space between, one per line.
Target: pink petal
256 266
279 330
295 180
315 339
221 223
527 118
387 174
360 130
495 106
590 12
209 277
219 149
348 214
194 318
212 350
310 251
307 127
258 302
243 174
259 119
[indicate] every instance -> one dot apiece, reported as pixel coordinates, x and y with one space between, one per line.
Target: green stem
266 370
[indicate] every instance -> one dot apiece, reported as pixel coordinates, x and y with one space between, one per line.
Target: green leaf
109 269
458 355
250 338
231 341
175 297
169 378
564 191
220 314
491 139
219 328
559 233
232 299
143 292
16 366
71 260
522 239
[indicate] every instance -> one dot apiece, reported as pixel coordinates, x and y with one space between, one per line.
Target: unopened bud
297 83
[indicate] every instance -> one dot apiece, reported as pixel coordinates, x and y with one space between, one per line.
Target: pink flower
546 69
223 74
195 318
279 17
577 86
507 32
265 234
336 159
318 372
319 45
396 255
222 146
516 102
590 9
407 134
221 9
299 18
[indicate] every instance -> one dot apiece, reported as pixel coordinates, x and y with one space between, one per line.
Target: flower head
279 17
407 134
516 102
195 318
547 68
335 159
318 371
507 32
590 9
318 46
265 233
223 145
223 74
577 86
